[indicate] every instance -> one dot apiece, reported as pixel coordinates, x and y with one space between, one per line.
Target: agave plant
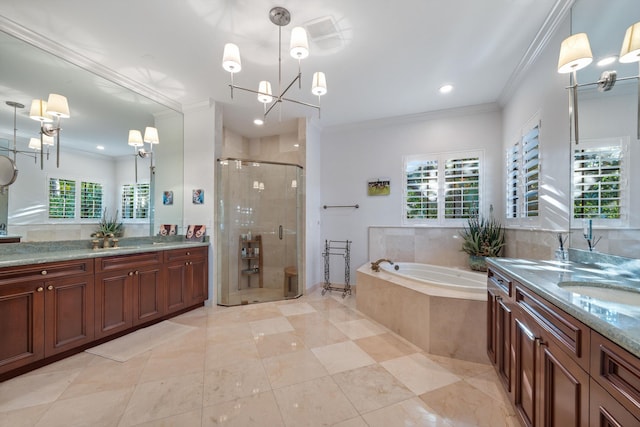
108 226
483 237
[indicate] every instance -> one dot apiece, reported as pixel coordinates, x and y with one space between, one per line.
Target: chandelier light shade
265 95
319 85
34 144
135 138
231 58
38 111
151 135
575 53
58 106
298 48
630 51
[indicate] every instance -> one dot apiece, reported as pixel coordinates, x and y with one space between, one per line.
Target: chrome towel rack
341 206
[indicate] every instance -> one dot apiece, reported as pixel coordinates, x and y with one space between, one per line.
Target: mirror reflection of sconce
49 114
575 54
137 142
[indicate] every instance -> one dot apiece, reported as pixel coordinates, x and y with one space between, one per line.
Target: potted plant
108 227
483 237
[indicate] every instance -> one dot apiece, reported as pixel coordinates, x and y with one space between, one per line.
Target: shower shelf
249 262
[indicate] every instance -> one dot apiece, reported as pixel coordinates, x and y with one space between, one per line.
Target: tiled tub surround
12 254
447 326
618 322
442 245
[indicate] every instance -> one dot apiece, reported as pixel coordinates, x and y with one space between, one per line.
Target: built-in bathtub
442 310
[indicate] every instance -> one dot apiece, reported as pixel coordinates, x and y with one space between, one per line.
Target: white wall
313 217
352 155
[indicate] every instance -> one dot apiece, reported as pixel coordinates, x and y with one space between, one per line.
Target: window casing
135 201
442 187
599 181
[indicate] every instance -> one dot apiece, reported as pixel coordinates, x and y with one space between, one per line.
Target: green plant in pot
483 237
108 227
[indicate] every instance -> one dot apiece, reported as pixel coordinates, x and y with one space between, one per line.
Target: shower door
258 216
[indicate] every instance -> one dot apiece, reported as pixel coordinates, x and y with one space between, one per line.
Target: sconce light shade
256 185
151 135
47 140
57 106
38 112
135 138
575 53
231 58
265 92
34 144
299 47
630 51
319 84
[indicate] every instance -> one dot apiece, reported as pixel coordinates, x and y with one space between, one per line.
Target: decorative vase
477 263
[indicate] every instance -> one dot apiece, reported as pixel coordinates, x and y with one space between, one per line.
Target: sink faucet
375 266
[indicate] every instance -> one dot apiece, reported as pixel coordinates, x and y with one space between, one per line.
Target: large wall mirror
605 173
93 149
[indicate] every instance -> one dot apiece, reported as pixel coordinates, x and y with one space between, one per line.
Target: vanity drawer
133 261
45 271
184 254
500 280
617 371
570 334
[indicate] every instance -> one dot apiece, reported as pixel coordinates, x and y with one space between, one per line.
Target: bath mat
128 346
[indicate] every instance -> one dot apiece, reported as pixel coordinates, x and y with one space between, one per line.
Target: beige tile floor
314 361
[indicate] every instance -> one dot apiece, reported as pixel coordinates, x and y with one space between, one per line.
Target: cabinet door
564 387
526 382
198 280
605 411
21 324
176 286
148 301
69 308
113 309
503 347
492 336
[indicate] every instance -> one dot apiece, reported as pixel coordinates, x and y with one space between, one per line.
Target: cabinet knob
188 253
540 343
137 272
40 289
43 272
131 273
50 287
498 298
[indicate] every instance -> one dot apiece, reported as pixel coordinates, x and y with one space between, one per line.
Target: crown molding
16 30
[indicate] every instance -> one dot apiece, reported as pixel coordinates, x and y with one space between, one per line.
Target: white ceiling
388 59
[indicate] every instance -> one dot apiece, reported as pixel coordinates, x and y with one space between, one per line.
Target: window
135 201
62 198
90 200
523 173
442 186
598 176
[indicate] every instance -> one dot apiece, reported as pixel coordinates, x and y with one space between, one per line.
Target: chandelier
299 49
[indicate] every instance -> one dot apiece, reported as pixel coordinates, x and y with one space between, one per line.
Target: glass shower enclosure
258 241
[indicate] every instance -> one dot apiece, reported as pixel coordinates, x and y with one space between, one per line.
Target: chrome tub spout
375 266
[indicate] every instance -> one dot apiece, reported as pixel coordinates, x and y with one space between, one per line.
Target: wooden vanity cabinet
129 291
499 325
187 277
45 309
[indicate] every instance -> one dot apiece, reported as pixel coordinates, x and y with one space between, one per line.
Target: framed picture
196 232
379 187
168 230
167 197
198 197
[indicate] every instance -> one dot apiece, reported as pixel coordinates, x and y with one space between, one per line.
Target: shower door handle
280 232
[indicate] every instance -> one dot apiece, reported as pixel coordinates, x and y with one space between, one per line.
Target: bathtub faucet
375 266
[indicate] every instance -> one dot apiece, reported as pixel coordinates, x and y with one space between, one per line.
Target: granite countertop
15 254
615 318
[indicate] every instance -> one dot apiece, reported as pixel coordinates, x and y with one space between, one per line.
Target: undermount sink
603 292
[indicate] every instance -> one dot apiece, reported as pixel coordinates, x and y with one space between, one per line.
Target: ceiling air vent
324 33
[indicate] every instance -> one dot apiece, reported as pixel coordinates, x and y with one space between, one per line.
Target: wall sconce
575 54
137 142
49 114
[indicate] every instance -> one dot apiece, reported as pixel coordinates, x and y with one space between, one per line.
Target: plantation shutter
531 171
462 187
135 201
422 189
597 182
62 198
90 200
513 181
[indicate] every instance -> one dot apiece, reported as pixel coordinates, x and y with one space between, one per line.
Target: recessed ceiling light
258 122
296 145
606 61
446 89
100 147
